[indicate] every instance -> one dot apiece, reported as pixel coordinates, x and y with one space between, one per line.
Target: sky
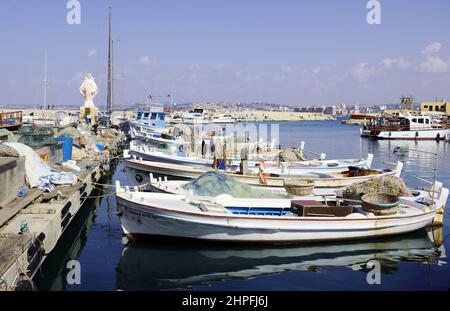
296 53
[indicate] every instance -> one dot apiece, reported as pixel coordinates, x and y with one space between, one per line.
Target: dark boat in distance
11 121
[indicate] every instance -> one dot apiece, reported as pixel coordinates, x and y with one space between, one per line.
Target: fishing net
388 184
212 184
7 151
292 155
37 140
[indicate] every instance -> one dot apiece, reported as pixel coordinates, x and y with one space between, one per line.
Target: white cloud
432 48
399 63
147 61
364 71
92 52
433 64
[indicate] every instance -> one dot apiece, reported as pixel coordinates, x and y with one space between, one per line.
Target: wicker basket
299 186
380 204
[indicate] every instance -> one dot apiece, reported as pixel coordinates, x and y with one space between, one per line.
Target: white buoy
118 189
302 146
151 178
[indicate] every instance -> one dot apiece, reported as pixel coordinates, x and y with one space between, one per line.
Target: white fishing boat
150 117
267 161
230 219
273 184
185 156
223 119
198 116
156 138
405 127
138 172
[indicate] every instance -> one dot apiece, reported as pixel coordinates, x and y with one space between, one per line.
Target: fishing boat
223 119
265 160
230 219
184 157
157 138
11 121
406 127
148 118
273 184
138 172
198 116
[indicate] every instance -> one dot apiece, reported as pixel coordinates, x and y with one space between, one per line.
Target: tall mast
110 101
44 82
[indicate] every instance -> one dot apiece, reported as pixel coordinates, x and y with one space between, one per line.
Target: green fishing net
214 183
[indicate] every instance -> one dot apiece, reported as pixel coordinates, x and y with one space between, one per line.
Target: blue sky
289 52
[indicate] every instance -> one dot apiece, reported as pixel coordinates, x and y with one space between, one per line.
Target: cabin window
431 108
414 120
153 117
427 121
139 115
421 121
146 115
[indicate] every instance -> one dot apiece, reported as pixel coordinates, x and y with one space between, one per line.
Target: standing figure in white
89 90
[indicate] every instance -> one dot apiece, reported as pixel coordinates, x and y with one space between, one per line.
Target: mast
110 101
44 82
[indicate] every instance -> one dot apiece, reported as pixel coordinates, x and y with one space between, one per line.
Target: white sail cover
35 168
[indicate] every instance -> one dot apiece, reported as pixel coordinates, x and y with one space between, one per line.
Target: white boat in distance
405 127
231 219
223 119
198 116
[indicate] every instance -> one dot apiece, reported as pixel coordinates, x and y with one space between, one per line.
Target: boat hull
139 220
433 134
271 167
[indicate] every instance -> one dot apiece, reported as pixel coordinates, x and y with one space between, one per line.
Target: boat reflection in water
167 265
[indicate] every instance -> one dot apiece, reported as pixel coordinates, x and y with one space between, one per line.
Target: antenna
110 102
44 82
435 154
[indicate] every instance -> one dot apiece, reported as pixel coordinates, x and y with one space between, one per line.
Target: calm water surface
408 262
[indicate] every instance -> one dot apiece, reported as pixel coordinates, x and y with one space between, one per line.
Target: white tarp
35 168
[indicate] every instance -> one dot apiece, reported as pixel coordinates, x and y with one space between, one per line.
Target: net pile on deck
387 184
213 184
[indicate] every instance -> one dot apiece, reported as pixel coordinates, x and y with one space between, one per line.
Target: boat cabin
402 123
153 116
11 120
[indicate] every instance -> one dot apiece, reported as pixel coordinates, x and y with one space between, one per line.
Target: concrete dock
32 220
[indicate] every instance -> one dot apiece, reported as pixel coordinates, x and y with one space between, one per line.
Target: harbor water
108 261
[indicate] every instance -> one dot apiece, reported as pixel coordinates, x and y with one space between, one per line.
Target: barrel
66 148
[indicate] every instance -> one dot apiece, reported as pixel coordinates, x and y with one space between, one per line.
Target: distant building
441 107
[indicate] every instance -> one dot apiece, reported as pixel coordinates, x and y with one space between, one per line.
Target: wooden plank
13 208
11 247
